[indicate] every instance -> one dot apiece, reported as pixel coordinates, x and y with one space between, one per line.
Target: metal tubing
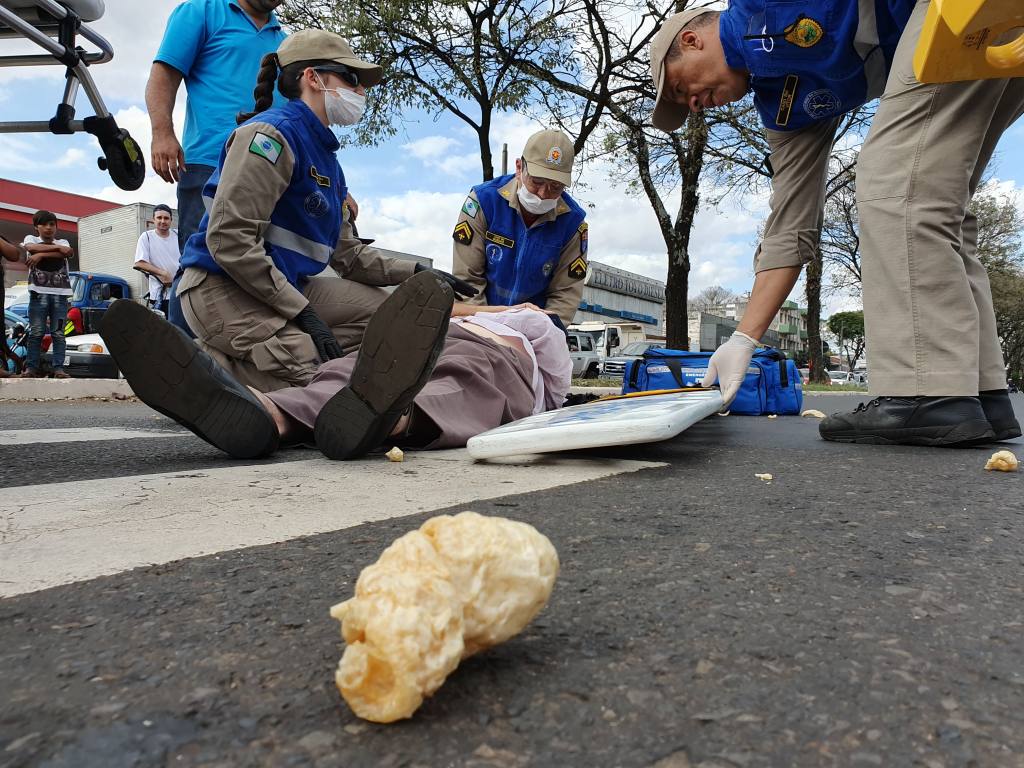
36 126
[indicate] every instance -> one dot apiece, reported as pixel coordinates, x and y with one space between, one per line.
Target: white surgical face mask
533 203
344 107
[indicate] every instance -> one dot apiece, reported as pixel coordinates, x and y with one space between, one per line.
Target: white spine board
622 421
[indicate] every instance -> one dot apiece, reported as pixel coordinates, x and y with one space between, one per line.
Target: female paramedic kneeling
251 290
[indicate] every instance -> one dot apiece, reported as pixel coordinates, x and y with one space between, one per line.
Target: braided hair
287 79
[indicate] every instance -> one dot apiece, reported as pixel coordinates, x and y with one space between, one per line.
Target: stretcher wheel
123 161
122 156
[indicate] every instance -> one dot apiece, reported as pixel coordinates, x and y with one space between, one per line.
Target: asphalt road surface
864 608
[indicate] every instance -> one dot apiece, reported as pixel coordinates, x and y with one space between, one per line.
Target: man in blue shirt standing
215 46
931 331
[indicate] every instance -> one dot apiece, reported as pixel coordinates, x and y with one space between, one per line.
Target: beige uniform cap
549 155
320 45
668 115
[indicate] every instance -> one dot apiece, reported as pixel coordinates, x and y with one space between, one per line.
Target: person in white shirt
157 255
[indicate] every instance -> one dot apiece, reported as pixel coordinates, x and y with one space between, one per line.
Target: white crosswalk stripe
57 533
10 437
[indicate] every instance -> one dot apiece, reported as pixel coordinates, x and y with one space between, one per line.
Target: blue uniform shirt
306 221
521 260
217 48
812 60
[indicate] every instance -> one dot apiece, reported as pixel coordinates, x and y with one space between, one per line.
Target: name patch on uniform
501 240
470 207
265 147
804 32
463 233
786 102
578 268
584 231
323 181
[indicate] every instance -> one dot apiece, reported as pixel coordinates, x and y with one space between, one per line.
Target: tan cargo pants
931 329
261 348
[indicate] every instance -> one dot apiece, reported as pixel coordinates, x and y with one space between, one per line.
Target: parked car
840 377
585 360
14 335
91 294
87 357
805 375
613 367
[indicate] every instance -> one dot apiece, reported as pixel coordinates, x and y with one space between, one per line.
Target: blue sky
410 189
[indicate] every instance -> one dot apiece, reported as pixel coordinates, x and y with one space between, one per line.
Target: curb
64 389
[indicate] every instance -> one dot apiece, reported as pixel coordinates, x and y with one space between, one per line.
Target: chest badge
501 240
323 181
804 32
578 268
786 100
548 268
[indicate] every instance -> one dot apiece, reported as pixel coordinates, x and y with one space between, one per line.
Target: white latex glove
729 365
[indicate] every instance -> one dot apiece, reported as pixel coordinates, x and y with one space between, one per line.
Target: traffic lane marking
58 533
9 437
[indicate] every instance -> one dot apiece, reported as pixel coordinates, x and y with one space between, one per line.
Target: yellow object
1002 461
766 476
437 595
971 40
395 454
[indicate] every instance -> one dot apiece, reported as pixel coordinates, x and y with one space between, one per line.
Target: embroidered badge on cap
501 240
786 102
463 233
323 181
470 207
555 156
265 147
578 268
584 231
804 32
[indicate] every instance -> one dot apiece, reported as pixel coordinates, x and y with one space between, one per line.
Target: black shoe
999 412
936 421
400 346
170 374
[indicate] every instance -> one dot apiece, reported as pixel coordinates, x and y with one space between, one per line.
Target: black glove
326 345
461 288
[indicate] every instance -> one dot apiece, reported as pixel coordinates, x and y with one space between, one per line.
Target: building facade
787 332
613 295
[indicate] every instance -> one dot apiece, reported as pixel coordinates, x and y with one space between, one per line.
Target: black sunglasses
348 75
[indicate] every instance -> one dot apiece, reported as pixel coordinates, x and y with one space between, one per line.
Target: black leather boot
170 374
400 346
999 412
935 421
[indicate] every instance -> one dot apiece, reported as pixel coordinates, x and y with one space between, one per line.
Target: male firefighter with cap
520 238
935 358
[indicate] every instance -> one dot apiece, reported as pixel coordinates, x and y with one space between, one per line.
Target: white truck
609 338
107 242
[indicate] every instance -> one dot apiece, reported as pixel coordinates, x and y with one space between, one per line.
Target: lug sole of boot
159 363
399 349
962 435
1006 431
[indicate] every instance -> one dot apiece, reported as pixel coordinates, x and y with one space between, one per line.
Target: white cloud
419 222
439 153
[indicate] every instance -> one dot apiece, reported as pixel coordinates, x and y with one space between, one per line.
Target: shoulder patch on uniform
266 147
463 233
584 231
323 181
470 207
578 268
786 100
804 32
501 240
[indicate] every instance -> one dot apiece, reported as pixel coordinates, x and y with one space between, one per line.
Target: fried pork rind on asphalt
456 586
1002 461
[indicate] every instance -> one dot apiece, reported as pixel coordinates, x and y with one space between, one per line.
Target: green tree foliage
440 56
848 328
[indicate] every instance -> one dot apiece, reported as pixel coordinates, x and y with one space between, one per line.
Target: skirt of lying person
476 385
